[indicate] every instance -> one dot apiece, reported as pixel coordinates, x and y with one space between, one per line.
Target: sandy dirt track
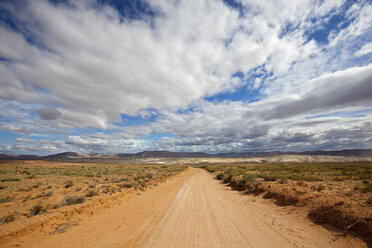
192 210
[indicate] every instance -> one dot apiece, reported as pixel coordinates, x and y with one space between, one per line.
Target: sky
194 76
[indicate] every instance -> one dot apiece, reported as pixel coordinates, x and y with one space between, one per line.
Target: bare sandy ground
192 210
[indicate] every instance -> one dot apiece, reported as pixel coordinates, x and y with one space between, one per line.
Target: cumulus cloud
348 88
82 65
49 113
15 128
90 62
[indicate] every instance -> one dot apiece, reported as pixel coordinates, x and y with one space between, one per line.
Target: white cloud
83 65
366 49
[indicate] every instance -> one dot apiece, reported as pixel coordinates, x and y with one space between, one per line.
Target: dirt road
192 210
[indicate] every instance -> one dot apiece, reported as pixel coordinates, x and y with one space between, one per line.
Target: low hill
68 156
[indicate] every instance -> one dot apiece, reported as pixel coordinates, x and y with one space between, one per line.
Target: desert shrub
69 184
283 180
338 179
369 200
227 179
43 194
10 179
366 189
241 182
28 197
7 218
6 199
26 171
111 189
32 176
269 178
252 186
301 183
150 174
220 176
138 178
38 208
71 200
91 193
123 179
318 188
126 185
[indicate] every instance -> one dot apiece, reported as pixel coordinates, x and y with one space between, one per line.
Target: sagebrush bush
227 179
111 189
69 184
7 218
220 176
71 200
38 208
242 182
91 193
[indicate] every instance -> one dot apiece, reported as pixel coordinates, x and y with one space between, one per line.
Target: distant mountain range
68 156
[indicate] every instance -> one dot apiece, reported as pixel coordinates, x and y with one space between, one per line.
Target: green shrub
10 179
227 179
220 176
242 182
283 180
111 189
270 178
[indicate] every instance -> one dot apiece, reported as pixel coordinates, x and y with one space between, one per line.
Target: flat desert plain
224 203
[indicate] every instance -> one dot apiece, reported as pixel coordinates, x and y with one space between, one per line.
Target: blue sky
212 76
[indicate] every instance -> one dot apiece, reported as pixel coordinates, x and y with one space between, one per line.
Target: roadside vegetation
29 188
337 194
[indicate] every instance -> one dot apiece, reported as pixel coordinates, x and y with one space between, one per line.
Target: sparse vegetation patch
340 193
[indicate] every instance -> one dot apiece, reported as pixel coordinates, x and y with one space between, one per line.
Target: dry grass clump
69 184
7 218
369 201
6 199
111 189
71 200
127 185
38 209
92 192
10 179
